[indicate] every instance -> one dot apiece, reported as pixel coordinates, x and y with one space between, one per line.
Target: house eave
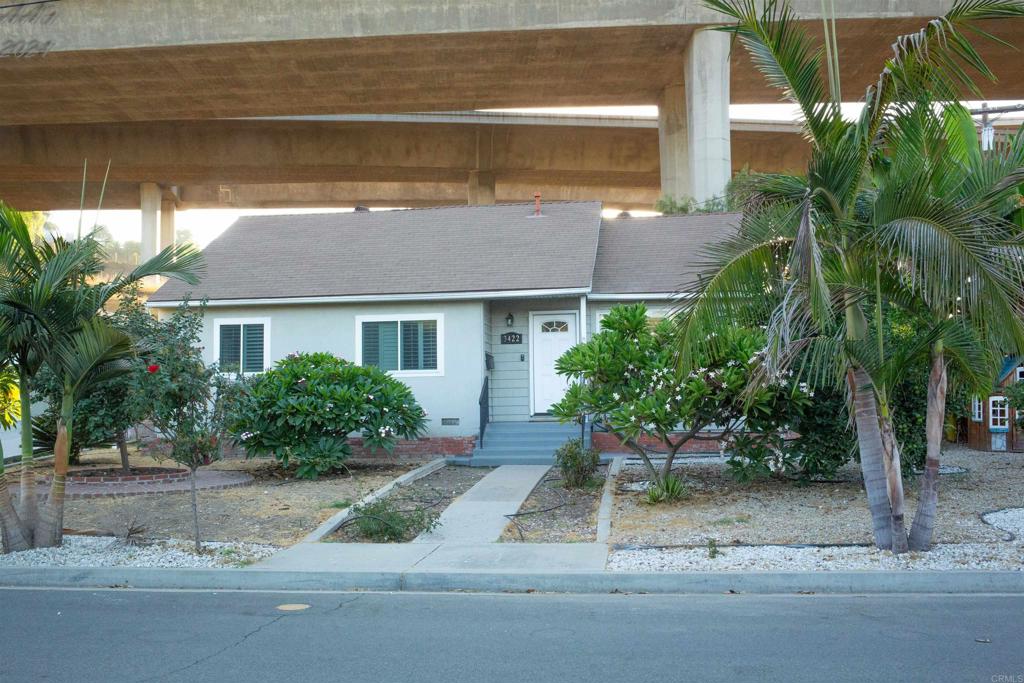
383 298
638 296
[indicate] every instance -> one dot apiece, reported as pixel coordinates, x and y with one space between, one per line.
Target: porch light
509 320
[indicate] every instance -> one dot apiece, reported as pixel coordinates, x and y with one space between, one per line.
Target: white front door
552 335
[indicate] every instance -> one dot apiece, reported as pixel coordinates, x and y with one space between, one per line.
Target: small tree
628 376
303 410
179 393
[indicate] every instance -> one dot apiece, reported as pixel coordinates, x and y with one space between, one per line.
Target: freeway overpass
116 78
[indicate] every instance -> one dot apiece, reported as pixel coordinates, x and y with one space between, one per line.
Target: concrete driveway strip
478 515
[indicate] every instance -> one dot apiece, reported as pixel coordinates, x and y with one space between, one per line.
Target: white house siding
332 328
596 310
510 379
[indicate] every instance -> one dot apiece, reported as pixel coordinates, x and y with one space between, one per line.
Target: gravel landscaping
555 514
778 512
434 492
107 551
1004 556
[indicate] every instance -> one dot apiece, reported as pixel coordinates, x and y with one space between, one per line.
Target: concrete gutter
329 526
848 582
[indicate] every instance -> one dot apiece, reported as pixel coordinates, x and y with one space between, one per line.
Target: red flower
152 368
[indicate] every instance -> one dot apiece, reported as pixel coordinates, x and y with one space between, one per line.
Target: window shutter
380 345
230 348
419 345
252 348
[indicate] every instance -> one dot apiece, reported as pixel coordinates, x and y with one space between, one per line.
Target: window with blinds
405 345
241 347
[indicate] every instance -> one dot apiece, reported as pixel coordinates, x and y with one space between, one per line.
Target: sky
207 224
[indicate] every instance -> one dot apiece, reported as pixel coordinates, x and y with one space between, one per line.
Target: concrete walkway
465 540
478 515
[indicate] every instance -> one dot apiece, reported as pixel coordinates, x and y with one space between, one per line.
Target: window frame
1019 374
437 318
220 322
977 409
992 400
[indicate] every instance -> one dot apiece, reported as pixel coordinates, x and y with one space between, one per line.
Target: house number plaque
512 338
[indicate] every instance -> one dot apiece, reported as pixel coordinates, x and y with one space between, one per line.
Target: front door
552 335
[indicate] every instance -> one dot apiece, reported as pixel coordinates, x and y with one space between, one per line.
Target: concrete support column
674 143
149 202
693 122
167 210
480 188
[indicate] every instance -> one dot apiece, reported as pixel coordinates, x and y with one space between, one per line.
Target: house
991 426
470 305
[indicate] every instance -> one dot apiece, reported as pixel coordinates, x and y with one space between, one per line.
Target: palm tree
834 247
47 287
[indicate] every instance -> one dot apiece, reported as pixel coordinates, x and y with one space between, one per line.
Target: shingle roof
415 251
651 255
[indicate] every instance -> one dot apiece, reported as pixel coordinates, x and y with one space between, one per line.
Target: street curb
604 510
336 520
849 582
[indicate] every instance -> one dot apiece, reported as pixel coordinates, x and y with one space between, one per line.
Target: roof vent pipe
536 204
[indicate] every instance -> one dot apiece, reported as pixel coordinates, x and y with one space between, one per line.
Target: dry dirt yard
556 514
275 509
782 512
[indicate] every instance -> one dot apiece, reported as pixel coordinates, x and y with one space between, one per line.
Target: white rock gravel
107 551
833 558
1010 519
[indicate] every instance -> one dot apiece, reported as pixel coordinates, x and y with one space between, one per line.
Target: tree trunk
894 485
50 532
923 528
122 446
195 509
869 443
28 502
14 535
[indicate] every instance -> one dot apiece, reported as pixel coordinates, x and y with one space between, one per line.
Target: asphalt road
121 635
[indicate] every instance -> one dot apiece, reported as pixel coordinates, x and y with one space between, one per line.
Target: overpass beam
150 198
693 122
480 188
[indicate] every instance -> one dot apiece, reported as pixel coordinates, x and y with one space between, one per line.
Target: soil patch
555 514
276 509
434 493
726 511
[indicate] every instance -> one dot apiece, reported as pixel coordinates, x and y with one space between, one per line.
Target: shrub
577 464
382 521
628 375
668 490
303 410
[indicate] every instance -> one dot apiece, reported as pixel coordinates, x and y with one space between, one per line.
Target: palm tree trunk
28 503
923 528
122 446
14 536
51 520
195 509
894 485
869 443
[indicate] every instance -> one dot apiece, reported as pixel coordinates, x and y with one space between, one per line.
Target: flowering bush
303 410
628 376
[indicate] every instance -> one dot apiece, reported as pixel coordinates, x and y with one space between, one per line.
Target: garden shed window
400 344
998 414
976 409
242 345
1020 373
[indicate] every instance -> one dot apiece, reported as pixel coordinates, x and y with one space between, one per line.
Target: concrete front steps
519 443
